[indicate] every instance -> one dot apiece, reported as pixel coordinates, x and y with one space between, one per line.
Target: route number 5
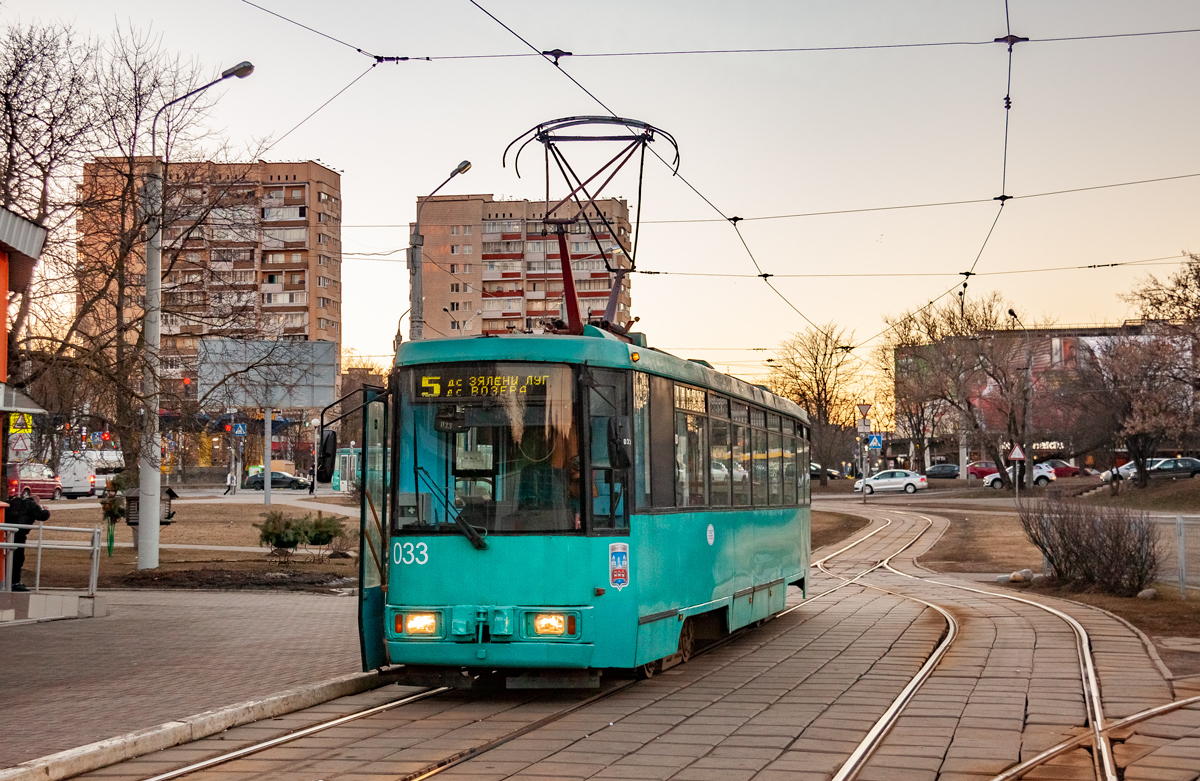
430 386
407 553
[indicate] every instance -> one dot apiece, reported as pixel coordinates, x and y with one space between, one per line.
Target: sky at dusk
760 134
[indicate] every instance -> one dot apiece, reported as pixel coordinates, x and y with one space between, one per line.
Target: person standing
312 480
228 482
26 511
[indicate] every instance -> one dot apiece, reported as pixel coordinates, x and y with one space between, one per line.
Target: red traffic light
187 380
228 427
106 436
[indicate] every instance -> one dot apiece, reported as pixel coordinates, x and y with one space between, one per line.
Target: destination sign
451 383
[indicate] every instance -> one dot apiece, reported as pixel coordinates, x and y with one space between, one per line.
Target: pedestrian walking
312 480
27 511
228 482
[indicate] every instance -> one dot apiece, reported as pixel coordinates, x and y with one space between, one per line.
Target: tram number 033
407 553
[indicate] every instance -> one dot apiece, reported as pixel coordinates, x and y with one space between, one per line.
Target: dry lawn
982 542
828 528
1159 496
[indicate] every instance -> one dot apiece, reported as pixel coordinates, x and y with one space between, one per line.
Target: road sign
97 437
864 426
863 409
20 423
239 429
1017 454
875 442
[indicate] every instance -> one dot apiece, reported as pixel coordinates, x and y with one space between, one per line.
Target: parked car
814 472
278 480
942 471
1042 475
1126 470
33 480
1062 468
1175 467
981 469
88 472
892 480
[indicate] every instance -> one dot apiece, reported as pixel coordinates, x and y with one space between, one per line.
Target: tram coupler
452 677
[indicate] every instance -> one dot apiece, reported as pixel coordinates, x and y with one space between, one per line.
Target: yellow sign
20 423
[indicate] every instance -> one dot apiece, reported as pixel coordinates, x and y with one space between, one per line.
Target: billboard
266 372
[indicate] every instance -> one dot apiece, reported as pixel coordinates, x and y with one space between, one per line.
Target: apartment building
493 267
248 249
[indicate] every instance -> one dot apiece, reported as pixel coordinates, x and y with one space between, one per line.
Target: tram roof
594 348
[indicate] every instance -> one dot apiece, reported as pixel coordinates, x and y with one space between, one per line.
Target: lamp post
416 324
149 476
1026 426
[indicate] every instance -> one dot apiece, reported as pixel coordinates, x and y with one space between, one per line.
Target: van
32 479
86 472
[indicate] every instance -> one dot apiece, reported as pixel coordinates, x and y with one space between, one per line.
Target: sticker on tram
618 565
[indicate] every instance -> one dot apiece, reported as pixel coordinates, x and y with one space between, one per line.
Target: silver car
892 480
1126 470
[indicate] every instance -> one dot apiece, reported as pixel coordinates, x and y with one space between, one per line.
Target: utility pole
149 475
268 416
416 323
864 437
1026 426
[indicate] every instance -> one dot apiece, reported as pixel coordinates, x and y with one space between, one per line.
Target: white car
1126 470
892 480
1042 475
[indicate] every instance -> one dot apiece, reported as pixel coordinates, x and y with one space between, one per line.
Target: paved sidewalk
160 656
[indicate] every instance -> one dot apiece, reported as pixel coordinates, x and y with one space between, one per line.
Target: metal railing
1179 559
8 532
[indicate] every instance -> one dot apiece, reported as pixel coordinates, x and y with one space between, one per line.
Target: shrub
283 533
325 530
1111 549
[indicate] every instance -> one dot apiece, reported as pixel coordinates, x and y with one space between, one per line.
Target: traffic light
106 436
228 427
187 380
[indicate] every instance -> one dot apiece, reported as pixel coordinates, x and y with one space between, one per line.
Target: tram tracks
878 732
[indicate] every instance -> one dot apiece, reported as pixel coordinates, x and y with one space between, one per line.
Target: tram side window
789 470
775 467
802 452
740 445
758 475
691 449
721 467
608 410
641 438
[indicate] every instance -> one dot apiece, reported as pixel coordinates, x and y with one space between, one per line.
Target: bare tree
960 355
77 119
1140 384
815 369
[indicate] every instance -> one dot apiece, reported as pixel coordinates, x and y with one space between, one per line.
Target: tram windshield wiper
470 532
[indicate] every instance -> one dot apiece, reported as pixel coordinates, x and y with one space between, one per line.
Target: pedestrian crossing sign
20 423
239 429
875 442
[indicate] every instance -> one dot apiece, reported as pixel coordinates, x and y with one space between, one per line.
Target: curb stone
93 756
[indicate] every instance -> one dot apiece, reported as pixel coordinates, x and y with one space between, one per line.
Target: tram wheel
687 640
649 669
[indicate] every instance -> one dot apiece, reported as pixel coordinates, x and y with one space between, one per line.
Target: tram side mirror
327 457
620 442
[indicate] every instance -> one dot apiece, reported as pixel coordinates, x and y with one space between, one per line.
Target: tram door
373 529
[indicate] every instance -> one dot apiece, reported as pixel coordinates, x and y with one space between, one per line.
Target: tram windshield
495 446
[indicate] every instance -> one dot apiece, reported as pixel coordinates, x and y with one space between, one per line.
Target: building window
273 213
298 193
453 306
453 230
322 238
296 279
468 249
274 257
322 282
454 287
453 325
322 260
453 249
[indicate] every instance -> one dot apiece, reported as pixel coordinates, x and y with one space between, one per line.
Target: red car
33 480
1062 468
981 469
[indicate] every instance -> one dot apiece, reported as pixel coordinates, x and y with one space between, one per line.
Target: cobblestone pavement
160 656
788 700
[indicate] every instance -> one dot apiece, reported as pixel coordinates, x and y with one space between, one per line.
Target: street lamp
416 324
149 477
1017 469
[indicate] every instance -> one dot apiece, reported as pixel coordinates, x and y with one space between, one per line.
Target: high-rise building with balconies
250 249
493 267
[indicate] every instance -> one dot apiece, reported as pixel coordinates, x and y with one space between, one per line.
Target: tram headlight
420 623
549 623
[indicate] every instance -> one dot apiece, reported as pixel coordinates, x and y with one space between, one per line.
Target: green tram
550 507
